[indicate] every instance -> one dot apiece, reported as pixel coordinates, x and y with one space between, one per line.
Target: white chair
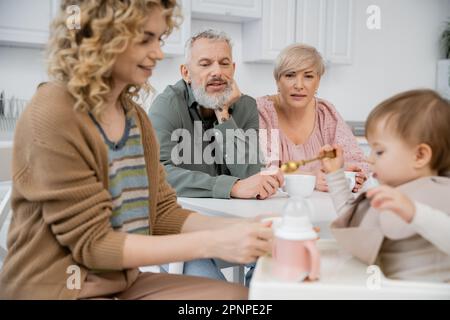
238 272
6 150
5 210
176 267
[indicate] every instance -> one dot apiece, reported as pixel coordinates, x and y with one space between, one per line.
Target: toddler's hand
321 181
360 176
331 165
388 198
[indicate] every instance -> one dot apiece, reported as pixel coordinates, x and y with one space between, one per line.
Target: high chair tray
342 277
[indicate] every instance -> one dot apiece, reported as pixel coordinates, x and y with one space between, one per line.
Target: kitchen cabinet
310 23
267 25
26 22
227 10
264 38
174 44
339 31
324 24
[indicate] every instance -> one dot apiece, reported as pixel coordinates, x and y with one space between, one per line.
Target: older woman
295 124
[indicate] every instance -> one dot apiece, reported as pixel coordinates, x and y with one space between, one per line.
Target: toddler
403 225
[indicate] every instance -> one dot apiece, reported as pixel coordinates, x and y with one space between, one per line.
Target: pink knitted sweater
329 128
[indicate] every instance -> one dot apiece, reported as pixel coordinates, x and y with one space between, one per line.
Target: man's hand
388 198
261 184
235 95
222 113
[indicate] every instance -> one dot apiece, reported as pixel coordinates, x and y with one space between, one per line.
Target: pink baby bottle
295 255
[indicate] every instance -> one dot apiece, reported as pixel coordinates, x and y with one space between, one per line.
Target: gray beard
211 101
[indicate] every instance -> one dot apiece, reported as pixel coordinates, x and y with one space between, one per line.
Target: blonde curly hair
83 58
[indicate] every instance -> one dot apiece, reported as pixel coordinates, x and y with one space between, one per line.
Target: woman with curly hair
90 201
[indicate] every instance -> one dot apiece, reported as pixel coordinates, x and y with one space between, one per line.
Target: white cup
299 184
351 179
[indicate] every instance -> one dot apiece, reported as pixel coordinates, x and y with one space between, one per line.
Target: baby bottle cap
296 223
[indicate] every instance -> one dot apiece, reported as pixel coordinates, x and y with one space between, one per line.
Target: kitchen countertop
6 143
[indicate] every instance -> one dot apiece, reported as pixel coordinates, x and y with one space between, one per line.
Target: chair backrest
5 210
6 151
176 267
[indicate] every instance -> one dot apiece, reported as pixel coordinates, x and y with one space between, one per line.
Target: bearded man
208 130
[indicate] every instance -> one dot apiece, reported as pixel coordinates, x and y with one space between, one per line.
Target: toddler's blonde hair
417 116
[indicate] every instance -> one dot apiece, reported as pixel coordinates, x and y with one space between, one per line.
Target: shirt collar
190 96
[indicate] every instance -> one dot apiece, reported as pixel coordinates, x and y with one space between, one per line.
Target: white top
433 225
419 250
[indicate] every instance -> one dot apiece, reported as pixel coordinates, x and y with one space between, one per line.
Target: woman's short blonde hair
297 57
82 58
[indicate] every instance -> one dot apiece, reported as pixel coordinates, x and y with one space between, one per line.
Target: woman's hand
332 164
388 198
242 243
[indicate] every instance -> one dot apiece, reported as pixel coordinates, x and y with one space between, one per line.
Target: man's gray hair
205 34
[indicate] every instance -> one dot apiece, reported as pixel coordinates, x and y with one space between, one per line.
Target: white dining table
324 211
342 276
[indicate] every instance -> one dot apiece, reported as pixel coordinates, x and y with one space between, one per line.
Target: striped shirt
128 182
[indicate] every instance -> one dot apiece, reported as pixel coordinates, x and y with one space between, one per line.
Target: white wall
400 56
21 70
